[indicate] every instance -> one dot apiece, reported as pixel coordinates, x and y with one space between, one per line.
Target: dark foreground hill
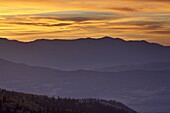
13 102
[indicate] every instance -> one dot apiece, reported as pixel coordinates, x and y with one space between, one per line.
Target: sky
70 19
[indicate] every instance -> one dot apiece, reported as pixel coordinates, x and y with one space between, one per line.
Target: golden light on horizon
69 19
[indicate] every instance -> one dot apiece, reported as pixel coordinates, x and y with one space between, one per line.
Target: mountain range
83 53
133 72
140 89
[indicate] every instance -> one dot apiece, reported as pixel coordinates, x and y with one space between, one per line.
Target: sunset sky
69 19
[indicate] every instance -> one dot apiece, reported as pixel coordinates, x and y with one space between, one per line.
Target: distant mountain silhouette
155 66
83 53
139 89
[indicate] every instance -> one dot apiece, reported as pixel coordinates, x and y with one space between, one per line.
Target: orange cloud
33 19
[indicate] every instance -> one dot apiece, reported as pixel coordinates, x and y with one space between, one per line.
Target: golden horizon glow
70 19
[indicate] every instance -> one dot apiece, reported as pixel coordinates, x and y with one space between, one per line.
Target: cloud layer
129 19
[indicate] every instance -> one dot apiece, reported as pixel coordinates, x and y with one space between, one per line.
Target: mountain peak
7 40
3 39
111 38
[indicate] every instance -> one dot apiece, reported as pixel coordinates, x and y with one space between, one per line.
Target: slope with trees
13 102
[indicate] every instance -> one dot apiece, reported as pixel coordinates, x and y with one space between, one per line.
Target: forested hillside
13 102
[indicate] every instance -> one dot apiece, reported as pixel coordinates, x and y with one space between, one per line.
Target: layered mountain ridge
139 89
83 53
133 72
